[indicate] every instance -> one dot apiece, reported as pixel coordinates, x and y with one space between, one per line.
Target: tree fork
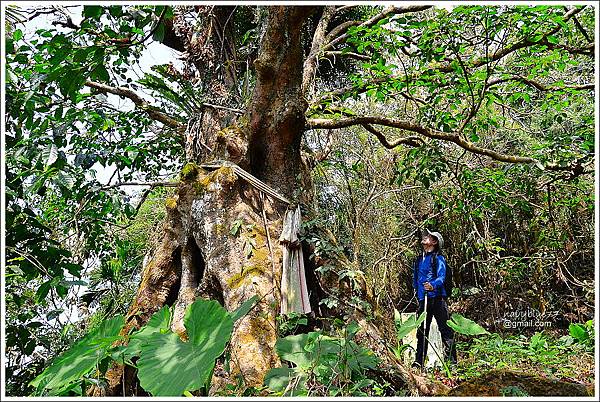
276 114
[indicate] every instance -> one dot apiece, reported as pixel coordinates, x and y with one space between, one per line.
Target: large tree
254 81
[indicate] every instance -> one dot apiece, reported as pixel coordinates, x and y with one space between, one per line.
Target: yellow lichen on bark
216 180
244 277
252 344
189 172
231 131
220 229
171 202
259 258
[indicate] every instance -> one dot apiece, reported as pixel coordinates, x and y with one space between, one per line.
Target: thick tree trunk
276 113
199 254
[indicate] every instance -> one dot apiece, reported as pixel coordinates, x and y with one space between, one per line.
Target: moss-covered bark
199 255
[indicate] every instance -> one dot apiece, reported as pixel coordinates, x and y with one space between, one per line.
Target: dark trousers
436 307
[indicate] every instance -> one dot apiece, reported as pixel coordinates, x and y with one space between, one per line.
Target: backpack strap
415 265
434 261
434 265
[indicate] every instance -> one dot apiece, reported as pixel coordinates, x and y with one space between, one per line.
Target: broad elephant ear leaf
464 326
159 322
81 358
291 348
169 367
404 328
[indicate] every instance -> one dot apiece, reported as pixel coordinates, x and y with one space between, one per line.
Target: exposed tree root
159 286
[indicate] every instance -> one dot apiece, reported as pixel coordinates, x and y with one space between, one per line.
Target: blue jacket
423 273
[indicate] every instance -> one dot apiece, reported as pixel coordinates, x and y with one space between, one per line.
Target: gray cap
438 236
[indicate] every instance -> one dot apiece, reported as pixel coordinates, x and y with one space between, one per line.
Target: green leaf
66 390
304 349
116 11
92 11
278 379
80 358
100 73
159 322
404 328
244 308
65 180
235 227
319 355
42 291
537 38
578 332
291 348
49 154
169 367
397 316
159 34
17 35
83 53
465 326
538 342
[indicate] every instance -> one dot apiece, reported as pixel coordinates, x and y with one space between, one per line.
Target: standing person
429 274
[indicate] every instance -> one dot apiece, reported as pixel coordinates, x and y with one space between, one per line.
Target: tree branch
539 86
374 20
151 184
152 111
525 42
310 63
430 133
411 141
581 29
339 29
68 24
587 50
334 53
41 11
342 8
447 68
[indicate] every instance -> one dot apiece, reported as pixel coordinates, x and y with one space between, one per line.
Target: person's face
428 241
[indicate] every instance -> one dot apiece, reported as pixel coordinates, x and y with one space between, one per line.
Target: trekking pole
424 331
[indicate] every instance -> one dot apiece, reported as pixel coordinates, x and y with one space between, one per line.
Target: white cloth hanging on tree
294 293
